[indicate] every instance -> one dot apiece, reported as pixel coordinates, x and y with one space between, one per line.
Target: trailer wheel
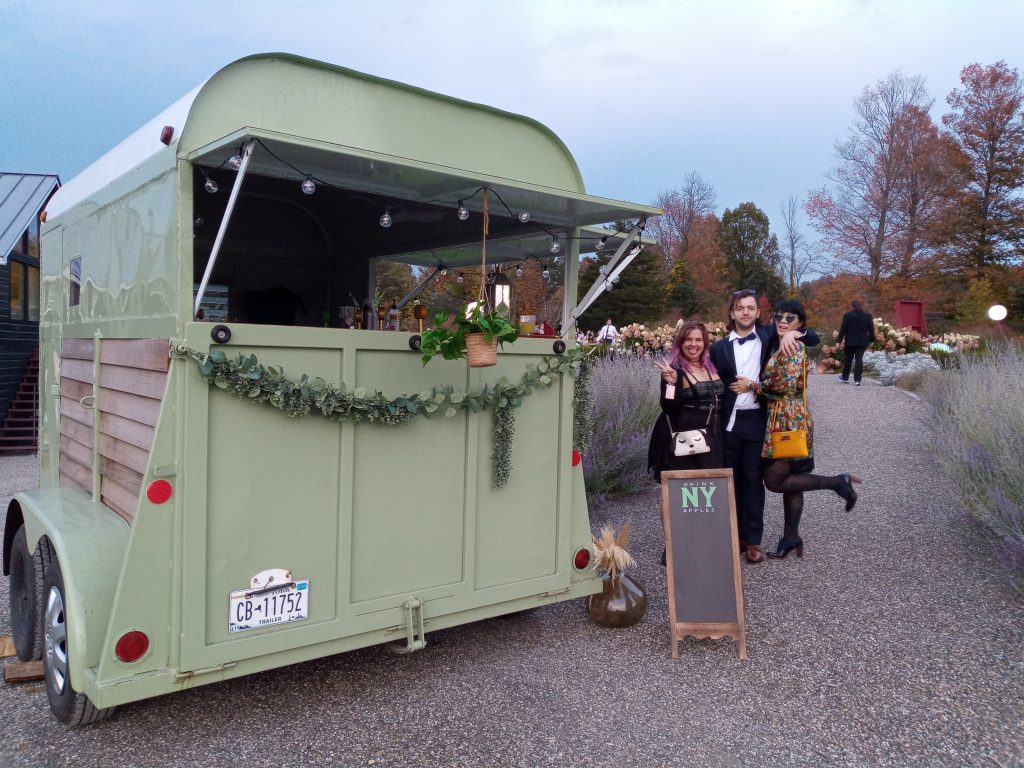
26 595
68 705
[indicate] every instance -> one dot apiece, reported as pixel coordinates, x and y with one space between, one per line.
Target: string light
546 273
459 278
385 219
210 185
602 268
599 246
235 161
519 270
524 217
555 247
463 213
444 271
308 187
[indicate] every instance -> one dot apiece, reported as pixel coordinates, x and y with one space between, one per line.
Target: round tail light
159 491
582 559
576 458
132 646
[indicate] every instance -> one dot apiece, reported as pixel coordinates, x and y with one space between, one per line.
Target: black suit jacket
724 359
857 329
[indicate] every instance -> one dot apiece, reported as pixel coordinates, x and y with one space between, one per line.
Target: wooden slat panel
150 354
76 412
133 380
122 453
78 349
145 410
81 454
76 474
80 433
79 370
119 499
122 475
133 432
76 390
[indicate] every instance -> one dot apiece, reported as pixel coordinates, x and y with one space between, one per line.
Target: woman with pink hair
690 393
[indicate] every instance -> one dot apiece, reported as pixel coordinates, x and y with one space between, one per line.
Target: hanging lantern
499 293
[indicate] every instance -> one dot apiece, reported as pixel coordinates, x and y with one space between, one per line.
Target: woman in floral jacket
783 383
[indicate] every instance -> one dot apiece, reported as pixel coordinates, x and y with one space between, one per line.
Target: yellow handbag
791 444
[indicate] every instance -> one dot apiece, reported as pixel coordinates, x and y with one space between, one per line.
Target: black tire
221 334
68 705
26 595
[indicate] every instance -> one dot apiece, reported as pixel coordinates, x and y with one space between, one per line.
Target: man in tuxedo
855 335
740 359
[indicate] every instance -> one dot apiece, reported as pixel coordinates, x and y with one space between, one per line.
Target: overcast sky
750 94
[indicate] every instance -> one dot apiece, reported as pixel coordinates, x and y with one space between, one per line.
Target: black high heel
846 491
785 546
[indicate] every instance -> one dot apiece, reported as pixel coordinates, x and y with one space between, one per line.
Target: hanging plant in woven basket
476 330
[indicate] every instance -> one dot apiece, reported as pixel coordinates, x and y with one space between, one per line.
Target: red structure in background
910 314
764 310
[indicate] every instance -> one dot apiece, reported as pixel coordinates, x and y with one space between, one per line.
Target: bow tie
749 337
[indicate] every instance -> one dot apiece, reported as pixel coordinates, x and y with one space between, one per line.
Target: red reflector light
582 559
576 458
132 646
159 491
166 134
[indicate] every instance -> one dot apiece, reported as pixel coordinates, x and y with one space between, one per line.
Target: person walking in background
855 335
608 333
784 383
690 393
739 359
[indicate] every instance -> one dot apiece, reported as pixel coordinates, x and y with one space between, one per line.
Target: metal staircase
20 428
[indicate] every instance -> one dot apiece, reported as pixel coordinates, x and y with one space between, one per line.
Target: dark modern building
22 197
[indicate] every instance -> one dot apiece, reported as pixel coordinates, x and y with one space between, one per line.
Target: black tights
780 478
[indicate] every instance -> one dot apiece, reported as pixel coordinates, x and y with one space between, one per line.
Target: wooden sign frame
703 629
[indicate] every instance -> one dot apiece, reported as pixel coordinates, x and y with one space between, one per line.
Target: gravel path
894 642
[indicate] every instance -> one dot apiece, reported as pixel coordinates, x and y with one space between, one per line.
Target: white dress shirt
748 365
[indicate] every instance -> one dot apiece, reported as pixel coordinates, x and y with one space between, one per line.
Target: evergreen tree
751 251
638 296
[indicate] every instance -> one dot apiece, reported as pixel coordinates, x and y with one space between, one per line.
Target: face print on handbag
690 442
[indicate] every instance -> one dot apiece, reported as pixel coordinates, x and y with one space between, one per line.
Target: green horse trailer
233 475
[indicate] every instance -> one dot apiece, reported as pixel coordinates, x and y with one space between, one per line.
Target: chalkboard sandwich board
705 590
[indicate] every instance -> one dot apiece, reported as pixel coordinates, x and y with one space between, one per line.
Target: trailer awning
402 179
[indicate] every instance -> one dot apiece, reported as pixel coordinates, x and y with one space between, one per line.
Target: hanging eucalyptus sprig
583 421
247 378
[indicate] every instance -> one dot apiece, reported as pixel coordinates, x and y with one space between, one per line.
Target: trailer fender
90 542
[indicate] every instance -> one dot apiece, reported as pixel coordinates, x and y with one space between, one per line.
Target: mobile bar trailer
180 535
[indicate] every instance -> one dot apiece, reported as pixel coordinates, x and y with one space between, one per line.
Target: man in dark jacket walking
855 335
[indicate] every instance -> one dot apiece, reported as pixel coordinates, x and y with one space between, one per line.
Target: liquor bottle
394 317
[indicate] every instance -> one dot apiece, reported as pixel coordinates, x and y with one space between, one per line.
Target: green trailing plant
247 378
450 342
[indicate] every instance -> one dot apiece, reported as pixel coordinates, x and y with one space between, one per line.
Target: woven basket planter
479 352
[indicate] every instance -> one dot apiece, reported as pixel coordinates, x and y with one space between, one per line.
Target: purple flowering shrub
624 404
978 416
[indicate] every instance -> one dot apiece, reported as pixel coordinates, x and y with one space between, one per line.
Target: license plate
255 609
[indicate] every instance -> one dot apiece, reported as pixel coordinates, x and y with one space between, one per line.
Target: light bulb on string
308 186
602 268
235 161
459 278
524 217
444 271
599 246
554 247
519 270
385 219
463 212
546 273
211 186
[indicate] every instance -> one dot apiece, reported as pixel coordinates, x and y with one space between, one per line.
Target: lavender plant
624 404
978 415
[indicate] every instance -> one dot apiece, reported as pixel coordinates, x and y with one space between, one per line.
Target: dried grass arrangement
610 553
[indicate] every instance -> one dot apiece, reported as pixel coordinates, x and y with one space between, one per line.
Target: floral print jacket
783 386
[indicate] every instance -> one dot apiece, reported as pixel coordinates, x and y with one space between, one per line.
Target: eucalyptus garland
583 420
247 378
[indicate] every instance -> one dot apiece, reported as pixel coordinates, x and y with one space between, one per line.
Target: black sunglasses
786 317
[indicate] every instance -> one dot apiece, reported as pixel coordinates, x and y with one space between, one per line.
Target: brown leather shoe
754 553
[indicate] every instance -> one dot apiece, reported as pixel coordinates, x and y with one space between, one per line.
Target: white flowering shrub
890 365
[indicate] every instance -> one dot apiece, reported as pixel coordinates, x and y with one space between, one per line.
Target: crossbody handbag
791 444
691 441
